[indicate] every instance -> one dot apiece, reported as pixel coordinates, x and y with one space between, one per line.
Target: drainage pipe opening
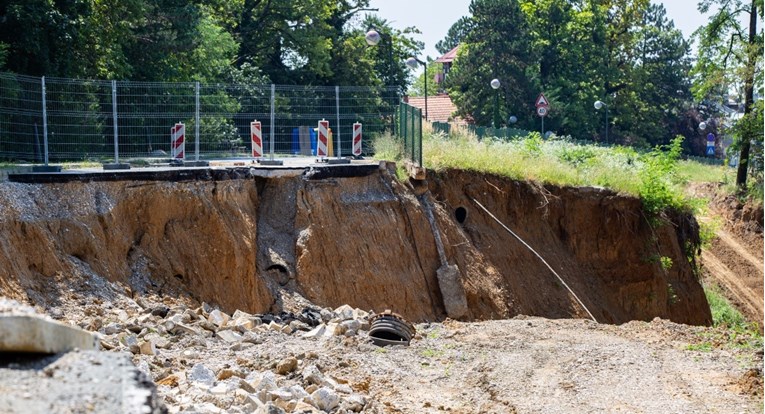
460 213
389 328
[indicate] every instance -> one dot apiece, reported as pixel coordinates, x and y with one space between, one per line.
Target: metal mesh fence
106 120
410 131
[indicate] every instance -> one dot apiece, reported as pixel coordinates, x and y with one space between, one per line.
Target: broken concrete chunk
240 314
325 399
273 326
112 328
344 313
26 333
350 327
229 336
286 365
148 348
354 403
200 374
312 375
218 318
316 332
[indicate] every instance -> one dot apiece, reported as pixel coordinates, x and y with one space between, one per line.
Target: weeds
659 177
656 176
732 330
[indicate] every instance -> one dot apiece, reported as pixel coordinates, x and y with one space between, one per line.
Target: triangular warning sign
541 101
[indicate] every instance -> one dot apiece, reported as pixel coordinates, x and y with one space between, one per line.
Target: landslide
252 242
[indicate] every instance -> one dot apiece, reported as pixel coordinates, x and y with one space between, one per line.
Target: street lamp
412 62
598 106
512 119
495 85
373 38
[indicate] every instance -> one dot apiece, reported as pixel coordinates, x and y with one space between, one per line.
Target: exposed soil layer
247 242
735 258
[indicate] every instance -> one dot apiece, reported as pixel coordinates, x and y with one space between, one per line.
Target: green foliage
418 87
722 311
740 332
666 263
312 42
455 35
3 54
735 331
730 58
623 52
496 47
658 179
387 147
532 144
577 155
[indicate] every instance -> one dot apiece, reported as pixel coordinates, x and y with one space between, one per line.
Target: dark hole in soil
460 213
179 277
279 273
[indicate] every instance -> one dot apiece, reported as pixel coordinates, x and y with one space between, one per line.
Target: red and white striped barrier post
172 141
321 142
178 143
356 139
256 135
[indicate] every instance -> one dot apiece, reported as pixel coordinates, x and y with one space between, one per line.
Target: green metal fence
410 131
507 133
483 132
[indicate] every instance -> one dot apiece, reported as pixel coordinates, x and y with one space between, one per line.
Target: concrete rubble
166 341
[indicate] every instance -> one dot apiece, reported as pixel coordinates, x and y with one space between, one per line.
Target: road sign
710 150
542 111
541 102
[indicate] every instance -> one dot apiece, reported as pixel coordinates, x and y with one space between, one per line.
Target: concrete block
452 291
29 333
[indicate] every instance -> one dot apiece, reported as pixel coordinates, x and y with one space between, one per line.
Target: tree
650 102
731 57
418 87
455 35
496 47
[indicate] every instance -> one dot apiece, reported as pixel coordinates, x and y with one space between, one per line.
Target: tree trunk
743 159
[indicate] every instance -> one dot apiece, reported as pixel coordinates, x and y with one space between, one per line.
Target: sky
435 17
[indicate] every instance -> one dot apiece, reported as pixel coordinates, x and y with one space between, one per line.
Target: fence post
273 102
45 121
404 123
337 134
114 121
419 140
414 113
196 131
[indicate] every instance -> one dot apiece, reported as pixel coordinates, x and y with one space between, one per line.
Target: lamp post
373 38
513 119
412 62
598 106
495 85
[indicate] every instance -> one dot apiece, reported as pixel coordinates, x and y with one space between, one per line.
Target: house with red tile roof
440 106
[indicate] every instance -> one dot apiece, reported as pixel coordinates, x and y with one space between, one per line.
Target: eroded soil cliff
243 241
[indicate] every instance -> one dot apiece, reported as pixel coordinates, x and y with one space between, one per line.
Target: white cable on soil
537 254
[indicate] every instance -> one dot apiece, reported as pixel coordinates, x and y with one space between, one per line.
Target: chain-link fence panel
106 120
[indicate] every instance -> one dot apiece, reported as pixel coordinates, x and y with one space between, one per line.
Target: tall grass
556 161
657 176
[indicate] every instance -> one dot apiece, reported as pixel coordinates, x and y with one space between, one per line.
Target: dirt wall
242 242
